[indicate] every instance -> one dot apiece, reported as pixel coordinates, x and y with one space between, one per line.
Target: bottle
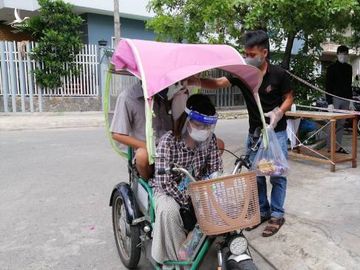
293 107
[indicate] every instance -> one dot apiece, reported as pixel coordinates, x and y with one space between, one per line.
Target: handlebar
163 171
244 161
169 170
175 169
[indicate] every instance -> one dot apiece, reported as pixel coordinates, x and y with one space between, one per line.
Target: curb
36 121
232 114
53 120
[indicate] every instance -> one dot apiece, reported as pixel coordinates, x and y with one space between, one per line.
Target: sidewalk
322 230
322 220
34 121
31 121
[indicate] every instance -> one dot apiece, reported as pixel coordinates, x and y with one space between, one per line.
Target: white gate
17 80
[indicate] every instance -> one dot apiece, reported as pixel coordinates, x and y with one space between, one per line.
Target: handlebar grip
161 171
247 164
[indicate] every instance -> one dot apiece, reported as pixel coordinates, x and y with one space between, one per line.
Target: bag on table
270 159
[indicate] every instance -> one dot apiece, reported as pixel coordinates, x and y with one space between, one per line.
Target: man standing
338 83
276 98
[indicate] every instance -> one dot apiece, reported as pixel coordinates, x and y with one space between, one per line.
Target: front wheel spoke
125 243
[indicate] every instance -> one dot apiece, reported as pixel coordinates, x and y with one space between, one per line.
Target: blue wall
100 27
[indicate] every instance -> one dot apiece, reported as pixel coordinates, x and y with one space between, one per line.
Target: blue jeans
278 192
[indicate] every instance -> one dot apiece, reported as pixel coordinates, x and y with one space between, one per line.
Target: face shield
199 127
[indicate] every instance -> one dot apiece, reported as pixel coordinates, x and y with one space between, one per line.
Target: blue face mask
256 61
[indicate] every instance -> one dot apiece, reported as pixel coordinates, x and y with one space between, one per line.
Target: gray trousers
340 105
169 232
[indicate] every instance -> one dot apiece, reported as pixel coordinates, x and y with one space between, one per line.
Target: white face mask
343 58
199 135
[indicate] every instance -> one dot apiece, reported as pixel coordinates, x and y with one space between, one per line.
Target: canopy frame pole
150 142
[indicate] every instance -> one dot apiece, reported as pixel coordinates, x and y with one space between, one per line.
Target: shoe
342 151
262 220
273 226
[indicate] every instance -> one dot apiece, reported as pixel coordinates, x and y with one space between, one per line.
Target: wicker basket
226 204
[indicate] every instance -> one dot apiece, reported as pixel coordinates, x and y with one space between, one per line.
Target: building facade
97 15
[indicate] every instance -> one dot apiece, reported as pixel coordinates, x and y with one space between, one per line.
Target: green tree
311 22
216 21
225 21
355 25
56 30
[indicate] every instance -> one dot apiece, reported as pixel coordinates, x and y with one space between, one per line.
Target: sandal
262 220
273 226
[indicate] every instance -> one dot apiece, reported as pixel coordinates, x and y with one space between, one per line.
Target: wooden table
333 156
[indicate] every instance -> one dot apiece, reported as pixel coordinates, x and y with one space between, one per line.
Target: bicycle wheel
127 237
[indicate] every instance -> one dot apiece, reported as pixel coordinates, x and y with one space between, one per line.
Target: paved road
54 192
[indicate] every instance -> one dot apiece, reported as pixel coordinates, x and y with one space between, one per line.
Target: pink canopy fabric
160 64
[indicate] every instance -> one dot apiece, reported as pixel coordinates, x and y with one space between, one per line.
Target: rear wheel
243 265
127 237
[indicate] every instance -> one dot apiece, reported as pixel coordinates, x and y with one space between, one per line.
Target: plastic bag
270 159
189 245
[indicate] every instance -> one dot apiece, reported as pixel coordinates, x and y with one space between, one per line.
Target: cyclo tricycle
224 206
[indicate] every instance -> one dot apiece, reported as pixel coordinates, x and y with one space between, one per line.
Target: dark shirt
276 83
338 81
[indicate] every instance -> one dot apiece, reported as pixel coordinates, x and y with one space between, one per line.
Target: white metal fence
17 80
225 98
